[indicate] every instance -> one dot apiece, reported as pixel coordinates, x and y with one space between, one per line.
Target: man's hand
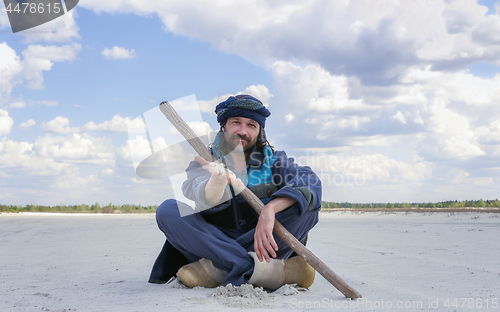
212 167
214 189
219 178
264 243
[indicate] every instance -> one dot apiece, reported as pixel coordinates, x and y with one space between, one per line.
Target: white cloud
487 31
17 105
200 128
52 53
116 124
409 94
373 44
461 86
489 134
58 125
330 128
314 86
61 29
209 106
81 148
418 119
55 168
373 40
10 68
5 122
4 18
335 168
107 172
118 53
46 102
361 76
459 175
446 112
400 117
22 104
74 185
22 157
463 178
260 92
459 113
27 124
452 137
38 58
139 145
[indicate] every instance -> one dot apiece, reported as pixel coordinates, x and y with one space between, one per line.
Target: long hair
263 140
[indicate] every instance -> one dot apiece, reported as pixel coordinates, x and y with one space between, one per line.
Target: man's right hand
217 175
219 178
216 185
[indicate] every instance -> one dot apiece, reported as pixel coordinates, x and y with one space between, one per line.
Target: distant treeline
95 208
444 204
110 208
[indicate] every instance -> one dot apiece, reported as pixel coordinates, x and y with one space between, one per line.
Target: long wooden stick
257 204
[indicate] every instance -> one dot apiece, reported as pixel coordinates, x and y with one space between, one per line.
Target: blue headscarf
242 106
239 106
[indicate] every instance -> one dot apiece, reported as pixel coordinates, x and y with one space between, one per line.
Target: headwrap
242 106
239 106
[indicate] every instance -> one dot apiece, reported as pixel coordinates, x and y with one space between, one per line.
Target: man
226 241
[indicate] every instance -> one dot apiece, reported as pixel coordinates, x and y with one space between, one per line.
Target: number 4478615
472 303
33 8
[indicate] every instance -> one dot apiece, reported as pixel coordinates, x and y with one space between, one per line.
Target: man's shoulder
280 155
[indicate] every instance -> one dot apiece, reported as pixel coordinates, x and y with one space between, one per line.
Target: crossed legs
227 249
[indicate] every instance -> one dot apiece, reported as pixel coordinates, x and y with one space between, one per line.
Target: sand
397 261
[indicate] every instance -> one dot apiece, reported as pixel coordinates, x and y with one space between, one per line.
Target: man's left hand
264 243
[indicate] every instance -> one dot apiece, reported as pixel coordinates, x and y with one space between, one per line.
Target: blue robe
225 233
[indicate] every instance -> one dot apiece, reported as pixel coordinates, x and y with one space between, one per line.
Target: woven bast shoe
201 273
278 272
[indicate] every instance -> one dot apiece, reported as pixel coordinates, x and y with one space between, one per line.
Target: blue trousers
191 238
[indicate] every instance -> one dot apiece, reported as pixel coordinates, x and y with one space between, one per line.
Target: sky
387 101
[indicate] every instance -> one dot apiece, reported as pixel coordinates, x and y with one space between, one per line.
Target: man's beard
234 143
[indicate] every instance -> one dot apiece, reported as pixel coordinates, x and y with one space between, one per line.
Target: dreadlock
260 144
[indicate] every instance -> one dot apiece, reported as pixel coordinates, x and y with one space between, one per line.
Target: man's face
241 130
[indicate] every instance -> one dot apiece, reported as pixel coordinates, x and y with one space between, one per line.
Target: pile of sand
244 296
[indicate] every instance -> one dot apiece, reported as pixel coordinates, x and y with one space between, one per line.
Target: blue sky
387 103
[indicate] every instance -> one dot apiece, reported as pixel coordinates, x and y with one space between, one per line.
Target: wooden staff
257 204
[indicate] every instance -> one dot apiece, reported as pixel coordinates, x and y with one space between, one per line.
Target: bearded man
226 241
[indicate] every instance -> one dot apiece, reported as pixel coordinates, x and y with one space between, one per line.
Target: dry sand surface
398 262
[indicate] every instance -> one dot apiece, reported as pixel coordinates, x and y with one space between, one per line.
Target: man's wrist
279 204
214 190
268 208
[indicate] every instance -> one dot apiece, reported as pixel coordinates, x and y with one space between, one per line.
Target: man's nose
242 131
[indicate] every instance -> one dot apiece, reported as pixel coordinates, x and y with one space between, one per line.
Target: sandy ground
398 262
